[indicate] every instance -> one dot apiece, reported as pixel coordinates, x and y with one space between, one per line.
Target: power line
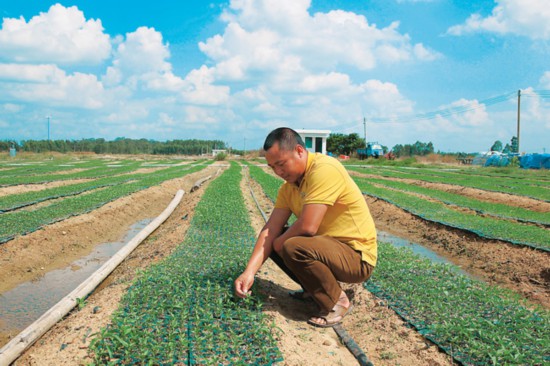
446 112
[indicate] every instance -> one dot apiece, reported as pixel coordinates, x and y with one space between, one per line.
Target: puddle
25 303
417 249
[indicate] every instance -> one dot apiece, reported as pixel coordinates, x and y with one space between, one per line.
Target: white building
215 152
315 140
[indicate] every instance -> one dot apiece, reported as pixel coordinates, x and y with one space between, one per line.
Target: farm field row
182 311
448 307
77 199
439 212
489 183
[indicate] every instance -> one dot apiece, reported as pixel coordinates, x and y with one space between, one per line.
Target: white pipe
199 183
12 350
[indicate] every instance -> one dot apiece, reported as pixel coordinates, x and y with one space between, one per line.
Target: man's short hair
286 137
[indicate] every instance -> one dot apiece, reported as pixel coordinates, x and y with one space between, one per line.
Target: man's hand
242 285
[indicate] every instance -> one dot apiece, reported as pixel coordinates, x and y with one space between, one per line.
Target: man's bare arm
262 250
307 225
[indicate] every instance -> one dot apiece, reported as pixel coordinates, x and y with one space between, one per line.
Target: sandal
332 318
301 295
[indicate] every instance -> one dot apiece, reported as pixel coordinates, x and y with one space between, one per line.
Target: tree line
120 145
342 144
337 144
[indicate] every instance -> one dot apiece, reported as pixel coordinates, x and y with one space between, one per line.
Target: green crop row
23 222
181 310
476 323
269 183
15 201
487 227
523 177
485 183
486 208
47 166
95 172
531 176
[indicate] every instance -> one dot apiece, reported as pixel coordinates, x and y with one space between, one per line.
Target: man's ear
300 150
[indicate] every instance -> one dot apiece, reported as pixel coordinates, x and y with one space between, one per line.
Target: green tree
514 145
497 146
341 144
418 148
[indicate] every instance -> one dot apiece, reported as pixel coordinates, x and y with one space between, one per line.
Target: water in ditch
416 248
22 305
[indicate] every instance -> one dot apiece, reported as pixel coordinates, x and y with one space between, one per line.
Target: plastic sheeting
535 161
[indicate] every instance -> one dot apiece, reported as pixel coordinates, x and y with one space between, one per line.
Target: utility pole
365 130
519 103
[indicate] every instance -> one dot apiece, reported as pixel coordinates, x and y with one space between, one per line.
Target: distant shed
215 152
315 140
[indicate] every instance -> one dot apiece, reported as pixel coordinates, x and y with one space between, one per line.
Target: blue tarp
497 160
535 161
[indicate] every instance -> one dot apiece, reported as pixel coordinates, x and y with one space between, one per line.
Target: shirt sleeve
325 185
281 201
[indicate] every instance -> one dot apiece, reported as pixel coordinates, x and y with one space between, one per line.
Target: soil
24 188
478 194
521 269
380 333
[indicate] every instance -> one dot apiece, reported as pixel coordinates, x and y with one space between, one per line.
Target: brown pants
317 263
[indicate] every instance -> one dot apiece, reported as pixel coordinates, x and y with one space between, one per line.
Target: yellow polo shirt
348 218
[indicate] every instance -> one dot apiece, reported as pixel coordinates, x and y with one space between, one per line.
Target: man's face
289 165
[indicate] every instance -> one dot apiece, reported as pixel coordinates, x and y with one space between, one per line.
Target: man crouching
333 238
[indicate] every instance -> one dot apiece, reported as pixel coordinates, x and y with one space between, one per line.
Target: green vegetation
475 323
120 145
15 201
269 183
439 176
22 222
487 227
181 311
481 207
103 170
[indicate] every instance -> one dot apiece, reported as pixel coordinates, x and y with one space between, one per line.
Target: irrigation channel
25 303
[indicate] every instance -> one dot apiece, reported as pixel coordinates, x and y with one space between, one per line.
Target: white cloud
140 62
535 108
545 80
47 84
466 113
30 73
280 38
62 35
382 99
199 88
530 18
12 108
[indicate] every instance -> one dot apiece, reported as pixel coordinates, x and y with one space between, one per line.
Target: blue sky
428 70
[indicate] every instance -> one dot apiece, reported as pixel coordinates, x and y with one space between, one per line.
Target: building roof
314 132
